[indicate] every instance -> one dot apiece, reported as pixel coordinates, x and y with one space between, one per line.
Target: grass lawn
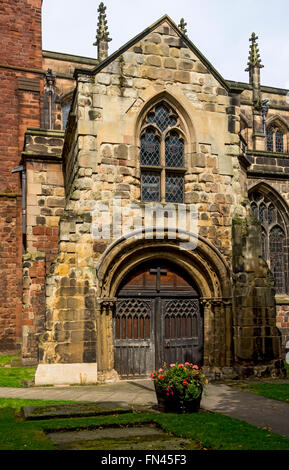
14 376
210 430
269 390
5 359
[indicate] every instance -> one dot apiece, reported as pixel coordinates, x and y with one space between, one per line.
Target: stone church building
100 161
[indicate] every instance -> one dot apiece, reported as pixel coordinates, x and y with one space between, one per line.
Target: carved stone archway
205 266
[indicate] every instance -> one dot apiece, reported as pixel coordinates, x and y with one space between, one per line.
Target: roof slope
144 33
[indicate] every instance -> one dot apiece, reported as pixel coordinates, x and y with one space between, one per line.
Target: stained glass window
162 147
270 141
271 214
150 149
174 188
150 186
274 140
174 151
279 142
262 213
273 238
162 117
277 258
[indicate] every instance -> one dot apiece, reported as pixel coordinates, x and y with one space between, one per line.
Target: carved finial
102 34
182 26
254 56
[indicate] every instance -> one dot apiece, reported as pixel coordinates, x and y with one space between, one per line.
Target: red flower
161 377
185 383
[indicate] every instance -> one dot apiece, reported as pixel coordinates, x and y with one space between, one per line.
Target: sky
219 28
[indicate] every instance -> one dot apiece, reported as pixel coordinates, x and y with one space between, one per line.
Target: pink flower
172 365
168 394
195 367
181 365
161 370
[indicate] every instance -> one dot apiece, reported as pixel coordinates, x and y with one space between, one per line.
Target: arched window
162 155
274 139
273 238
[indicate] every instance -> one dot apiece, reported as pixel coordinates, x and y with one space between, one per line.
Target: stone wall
257 345
102 163
45 202
45 191
33 321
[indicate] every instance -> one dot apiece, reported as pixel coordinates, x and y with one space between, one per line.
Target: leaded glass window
279 142
162 155
174 188
273 238
150 186
174 151
270 141
274 140
150 148
277 258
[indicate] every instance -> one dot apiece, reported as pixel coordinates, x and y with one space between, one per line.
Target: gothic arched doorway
157 319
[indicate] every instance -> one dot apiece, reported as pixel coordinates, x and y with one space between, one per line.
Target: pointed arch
278 121
163 166
175 101
272 212
277 131
279 202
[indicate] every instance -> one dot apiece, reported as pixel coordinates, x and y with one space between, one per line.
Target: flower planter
177 404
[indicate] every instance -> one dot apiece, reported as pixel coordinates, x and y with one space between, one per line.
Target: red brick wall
10 272
20 107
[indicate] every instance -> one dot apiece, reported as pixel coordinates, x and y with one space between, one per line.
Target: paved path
256 410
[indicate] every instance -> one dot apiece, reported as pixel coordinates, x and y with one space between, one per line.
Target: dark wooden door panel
134 353
157 319
182 331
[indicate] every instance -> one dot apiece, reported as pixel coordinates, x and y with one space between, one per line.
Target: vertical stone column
105 351
208 333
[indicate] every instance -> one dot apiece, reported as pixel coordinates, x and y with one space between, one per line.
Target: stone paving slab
147 437
74 410
107 433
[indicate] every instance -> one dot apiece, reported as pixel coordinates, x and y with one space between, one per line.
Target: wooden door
182 331
134 337
157 319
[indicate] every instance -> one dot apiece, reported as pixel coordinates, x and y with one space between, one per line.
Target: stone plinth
66 374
